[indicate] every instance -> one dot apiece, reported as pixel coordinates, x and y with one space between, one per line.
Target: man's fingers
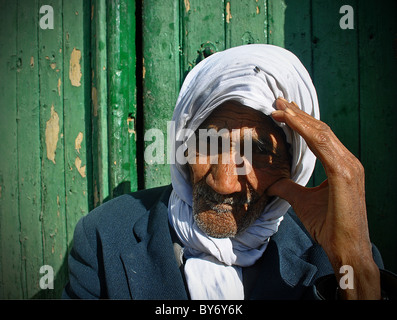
318 136
297 119
289 107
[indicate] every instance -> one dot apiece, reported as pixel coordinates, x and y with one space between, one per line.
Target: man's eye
259 150
262 147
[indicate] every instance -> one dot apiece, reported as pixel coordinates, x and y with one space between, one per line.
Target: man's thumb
286 189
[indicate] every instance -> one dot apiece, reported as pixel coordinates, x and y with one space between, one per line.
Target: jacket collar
283 272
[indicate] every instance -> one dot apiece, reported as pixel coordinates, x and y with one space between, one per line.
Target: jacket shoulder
125 208
116 218
100 237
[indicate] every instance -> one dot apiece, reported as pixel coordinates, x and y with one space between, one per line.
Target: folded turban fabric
255 76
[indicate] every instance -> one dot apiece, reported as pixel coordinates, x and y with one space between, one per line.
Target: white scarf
254 75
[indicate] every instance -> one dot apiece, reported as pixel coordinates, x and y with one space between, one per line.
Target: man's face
224 202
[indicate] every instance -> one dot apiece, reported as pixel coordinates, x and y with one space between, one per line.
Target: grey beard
225 207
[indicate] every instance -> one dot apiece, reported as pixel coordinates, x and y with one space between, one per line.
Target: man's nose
223 178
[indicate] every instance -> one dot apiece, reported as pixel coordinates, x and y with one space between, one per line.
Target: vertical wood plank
203 24
298 30
121 96
161 78
335 75
77 130
29 146
298 36
129 57
275 22
11 267
245 22
378 78
52 144
99 103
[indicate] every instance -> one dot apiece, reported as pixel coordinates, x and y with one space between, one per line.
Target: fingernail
277 113
290 111
281 98
282 105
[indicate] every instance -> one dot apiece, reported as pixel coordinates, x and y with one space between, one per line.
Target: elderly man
225 228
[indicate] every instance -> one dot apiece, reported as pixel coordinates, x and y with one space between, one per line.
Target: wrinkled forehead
232 115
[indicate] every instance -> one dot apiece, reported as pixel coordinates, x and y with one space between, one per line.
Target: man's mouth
221 208
229 204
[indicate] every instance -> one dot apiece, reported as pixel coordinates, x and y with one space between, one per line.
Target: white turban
255 76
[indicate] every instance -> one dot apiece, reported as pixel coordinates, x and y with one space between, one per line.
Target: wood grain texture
202 24
53 197
76 116
245 23
378 117
336 75
161 78
10 227
28 136
99 112
121 96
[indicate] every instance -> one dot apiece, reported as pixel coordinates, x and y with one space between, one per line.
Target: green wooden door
45 174
77 100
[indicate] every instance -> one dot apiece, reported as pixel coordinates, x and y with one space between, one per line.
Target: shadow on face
226 201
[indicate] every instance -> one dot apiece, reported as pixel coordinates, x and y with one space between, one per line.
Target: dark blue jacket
124 249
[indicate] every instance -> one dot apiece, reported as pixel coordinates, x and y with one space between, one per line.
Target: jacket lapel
283 271
150 264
